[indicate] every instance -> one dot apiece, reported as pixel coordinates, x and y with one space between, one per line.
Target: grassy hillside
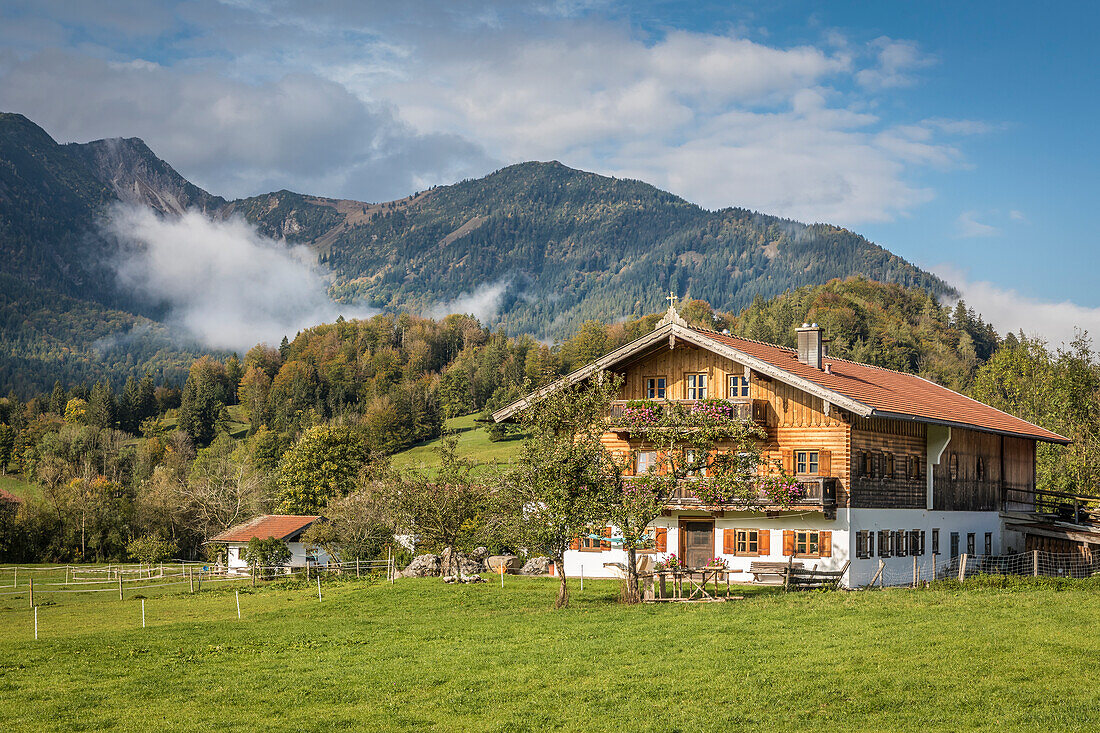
16 484
420 655
473 443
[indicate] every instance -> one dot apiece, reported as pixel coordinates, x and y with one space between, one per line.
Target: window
935 542
969 543
884 542
689 459
645 462
901 541
649 540
979 469
806 461
697 386
655 388
591 544
889 465
914 467
868 466
747 542
738 387
954 544
865 543
989 543
953 467
916 542
806 543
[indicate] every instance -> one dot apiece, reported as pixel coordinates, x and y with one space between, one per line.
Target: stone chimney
810 346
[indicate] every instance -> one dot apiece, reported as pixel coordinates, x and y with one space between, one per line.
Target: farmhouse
286 527
891 466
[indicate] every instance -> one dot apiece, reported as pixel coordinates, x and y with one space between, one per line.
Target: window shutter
729 541
764 541
788 460
660 538
824 463
575 544
788 542
606 533
825 544
861 543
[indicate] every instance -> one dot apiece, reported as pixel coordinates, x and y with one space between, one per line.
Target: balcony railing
1058 505
743 409
820 494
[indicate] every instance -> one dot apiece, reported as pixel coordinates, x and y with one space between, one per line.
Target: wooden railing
742 408
1058 505
820 492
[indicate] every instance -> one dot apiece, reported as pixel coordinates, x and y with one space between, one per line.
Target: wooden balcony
743 409
820 496
1057 505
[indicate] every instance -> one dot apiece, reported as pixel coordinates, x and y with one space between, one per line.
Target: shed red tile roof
283 526
8 497
890 393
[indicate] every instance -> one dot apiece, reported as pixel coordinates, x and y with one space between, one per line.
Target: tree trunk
630 592
563 589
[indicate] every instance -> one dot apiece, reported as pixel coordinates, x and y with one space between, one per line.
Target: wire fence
915 571
41 582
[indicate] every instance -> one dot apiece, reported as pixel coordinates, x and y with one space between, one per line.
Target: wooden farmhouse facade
893 466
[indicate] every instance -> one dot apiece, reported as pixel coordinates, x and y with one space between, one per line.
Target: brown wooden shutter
788 460
824 463
788 542
825 544
606 533
763 541
729 542
575 544
660 538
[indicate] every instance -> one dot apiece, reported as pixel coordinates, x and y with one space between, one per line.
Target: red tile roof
7 496
283 526
885 391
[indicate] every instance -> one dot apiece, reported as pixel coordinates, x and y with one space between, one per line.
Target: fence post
32 592
307 569
318 587
914 571
36 623
191 577
120 587
357 568
143 613
237 593
962 568
1035 563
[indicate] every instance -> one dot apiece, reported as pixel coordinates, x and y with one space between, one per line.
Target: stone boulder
467 564
537 566
423 566
511 563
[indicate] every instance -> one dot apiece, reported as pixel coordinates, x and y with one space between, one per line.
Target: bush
267 554
150 548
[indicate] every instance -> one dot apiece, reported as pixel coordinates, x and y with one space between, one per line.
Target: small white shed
287 527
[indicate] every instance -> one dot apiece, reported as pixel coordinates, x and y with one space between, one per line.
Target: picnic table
690 584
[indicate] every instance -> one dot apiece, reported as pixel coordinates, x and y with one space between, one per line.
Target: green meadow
473 443
422 655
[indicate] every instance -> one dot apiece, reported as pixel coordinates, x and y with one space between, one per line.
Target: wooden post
915 571
120 597
15 577
501 574
253 576
357 568
933 568
143 613
191 577
307 569
962 568
237 593
1035 563
32 592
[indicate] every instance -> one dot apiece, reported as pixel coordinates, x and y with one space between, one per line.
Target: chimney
810 345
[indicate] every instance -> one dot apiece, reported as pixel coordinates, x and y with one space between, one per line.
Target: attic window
696 386
738 386
953 467
979 469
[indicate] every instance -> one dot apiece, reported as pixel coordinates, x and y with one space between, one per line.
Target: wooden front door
696 542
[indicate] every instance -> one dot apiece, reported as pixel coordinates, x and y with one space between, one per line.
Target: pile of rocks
537 566
429 565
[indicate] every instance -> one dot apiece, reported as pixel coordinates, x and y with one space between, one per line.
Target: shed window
738 386
916 542
953 467
969 543
885 542
901 538
868 467
979 469
806 461
655 388
865 543
889 465
935 542
989 543
954 544
696 386
914 467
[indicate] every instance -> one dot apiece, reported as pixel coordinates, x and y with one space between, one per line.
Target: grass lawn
15 484
424 655
473 443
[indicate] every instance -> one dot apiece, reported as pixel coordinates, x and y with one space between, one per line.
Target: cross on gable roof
862 389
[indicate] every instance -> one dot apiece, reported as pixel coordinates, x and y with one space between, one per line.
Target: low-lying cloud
483 303
222 282
1009 311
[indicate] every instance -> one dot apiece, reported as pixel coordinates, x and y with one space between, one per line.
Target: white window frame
697 386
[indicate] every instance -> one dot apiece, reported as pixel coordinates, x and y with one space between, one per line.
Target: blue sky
958 135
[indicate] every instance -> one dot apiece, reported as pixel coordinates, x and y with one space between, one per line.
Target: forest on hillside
297 426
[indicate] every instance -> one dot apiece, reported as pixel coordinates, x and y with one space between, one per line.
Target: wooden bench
770 568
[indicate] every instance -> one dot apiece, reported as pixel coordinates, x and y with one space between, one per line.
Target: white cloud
1010 311
1017 215
221 281
483 303
897 60
968 226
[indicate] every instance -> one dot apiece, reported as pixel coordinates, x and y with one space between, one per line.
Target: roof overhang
1058 439
674 332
